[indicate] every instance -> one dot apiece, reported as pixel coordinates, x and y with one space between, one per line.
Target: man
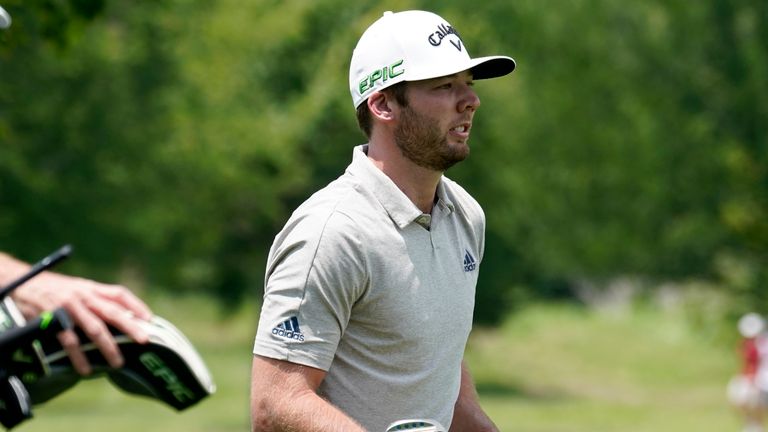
91 305
370 286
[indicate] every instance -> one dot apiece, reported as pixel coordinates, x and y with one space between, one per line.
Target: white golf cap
751 325
411 46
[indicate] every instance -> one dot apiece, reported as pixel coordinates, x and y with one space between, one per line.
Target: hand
92 306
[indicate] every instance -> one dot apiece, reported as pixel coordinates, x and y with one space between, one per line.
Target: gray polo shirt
361 284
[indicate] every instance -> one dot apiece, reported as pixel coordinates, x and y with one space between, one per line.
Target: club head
416 425
167 368
5 19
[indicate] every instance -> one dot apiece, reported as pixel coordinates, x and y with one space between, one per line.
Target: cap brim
492 67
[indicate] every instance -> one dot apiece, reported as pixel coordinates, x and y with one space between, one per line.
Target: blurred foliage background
168 141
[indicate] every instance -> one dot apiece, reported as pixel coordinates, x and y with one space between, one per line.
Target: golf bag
34 367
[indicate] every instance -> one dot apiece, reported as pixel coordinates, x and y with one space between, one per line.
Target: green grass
564 369
549 368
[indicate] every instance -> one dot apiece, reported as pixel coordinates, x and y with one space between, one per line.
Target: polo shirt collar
399 207
443 202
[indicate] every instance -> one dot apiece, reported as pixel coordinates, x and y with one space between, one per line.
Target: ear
380 106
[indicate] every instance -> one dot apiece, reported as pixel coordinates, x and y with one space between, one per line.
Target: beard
421 141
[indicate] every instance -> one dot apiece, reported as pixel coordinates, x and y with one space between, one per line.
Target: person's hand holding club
91 305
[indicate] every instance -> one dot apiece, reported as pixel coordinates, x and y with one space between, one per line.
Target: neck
419 184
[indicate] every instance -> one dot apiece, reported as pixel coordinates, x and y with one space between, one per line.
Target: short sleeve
315 273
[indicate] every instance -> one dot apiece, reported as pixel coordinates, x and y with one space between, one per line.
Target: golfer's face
433 130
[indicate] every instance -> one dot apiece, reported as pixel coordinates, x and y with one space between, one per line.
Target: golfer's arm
467 414
10 268
284 398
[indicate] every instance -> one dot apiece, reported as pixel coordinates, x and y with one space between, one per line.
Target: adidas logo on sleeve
469 261
289 329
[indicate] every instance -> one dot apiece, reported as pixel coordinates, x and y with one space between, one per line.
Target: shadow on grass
505 390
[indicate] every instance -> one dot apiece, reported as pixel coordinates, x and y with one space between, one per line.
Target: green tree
174 138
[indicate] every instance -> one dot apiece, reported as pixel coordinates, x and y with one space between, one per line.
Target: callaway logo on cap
412 46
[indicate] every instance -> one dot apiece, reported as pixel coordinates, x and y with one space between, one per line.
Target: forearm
307 413
284 398
468 415
10 268
27 296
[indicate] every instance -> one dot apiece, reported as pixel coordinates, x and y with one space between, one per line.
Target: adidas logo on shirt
289 329
469 261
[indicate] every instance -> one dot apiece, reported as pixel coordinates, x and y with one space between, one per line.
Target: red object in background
751 357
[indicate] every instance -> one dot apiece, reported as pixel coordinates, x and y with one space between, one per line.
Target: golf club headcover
167 368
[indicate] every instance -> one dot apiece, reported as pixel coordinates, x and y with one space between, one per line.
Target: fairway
565 369
548 369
